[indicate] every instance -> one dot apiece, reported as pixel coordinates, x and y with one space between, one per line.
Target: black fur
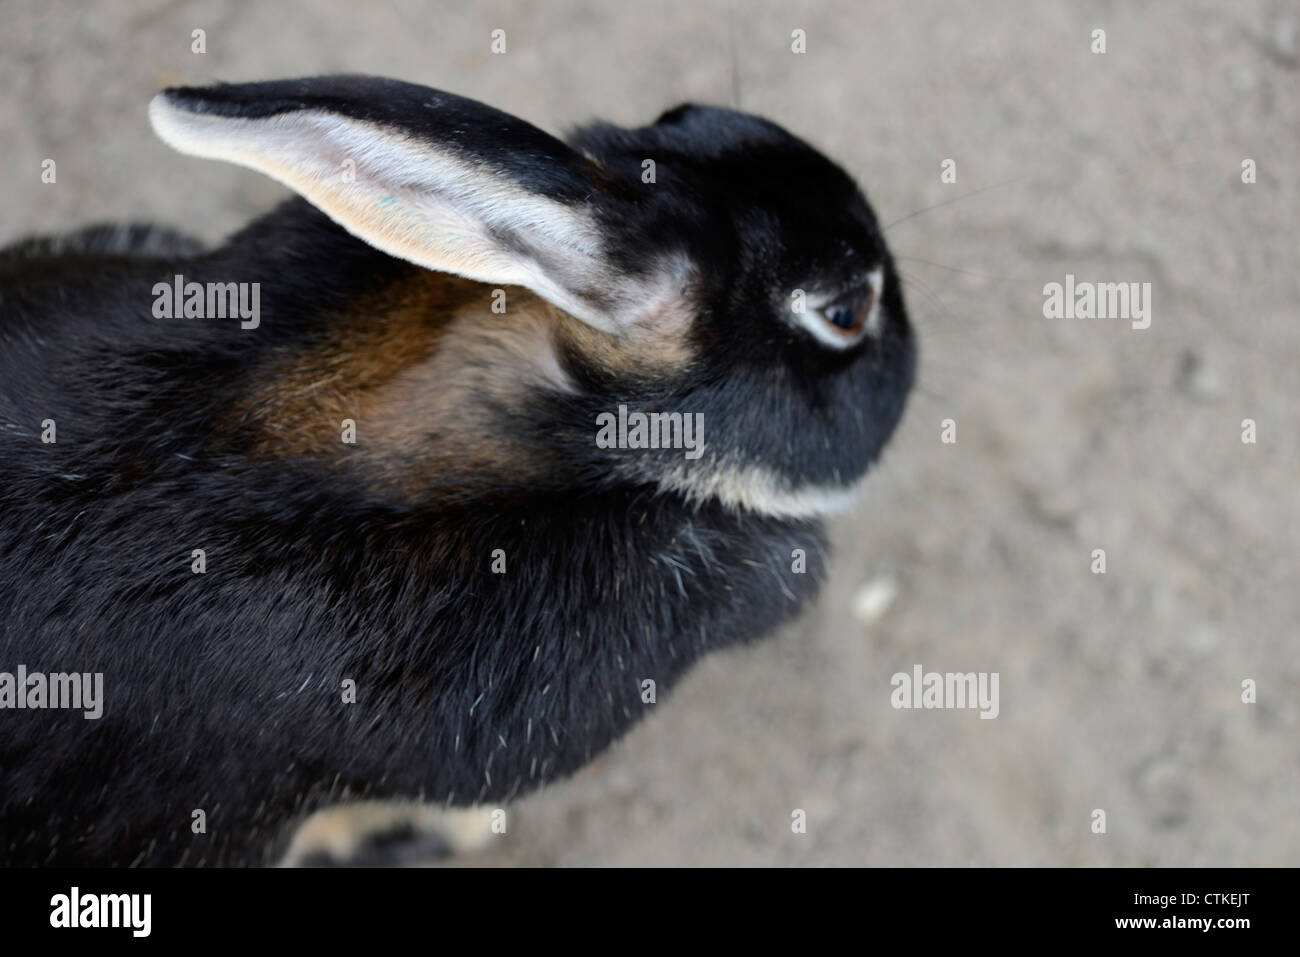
761 213
517 149
223 690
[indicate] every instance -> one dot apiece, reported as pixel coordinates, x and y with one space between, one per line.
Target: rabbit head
708 265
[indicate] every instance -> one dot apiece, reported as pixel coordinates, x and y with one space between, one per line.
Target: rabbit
355 535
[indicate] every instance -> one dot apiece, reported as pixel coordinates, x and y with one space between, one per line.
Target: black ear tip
193 99
676 114
252 100
182 98
720 126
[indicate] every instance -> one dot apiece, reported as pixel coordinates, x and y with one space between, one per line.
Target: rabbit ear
442 181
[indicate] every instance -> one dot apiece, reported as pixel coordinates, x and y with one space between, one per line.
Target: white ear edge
404 197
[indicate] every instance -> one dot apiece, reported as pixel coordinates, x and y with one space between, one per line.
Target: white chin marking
756 489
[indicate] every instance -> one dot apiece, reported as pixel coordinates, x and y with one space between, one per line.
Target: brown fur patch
299 407
425 370
658 350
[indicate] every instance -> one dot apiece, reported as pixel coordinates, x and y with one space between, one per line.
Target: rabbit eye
849 313
842 317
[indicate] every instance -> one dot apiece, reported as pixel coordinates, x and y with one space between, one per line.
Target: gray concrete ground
1119 691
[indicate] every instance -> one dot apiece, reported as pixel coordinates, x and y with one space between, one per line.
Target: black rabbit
369 501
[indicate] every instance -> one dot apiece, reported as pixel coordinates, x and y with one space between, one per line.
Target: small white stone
873 599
